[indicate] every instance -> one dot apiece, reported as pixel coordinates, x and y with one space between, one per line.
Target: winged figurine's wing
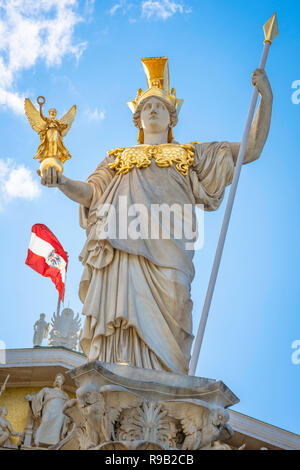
33 116
68 119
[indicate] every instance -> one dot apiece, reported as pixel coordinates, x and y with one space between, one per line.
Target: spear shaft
4 385
270 34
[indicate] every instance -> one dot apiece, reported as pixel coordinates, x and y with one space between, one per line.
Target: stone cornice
265 434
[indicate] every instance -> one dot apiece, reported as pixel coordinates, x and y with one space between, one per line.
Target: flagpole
59 299
58 305
271 31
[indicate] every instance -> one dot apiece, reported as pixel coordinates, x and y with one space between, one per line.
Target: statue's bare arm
261 123
78 191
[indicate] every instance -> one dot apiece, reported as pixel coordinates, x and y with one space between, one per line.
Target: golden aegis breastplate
165 155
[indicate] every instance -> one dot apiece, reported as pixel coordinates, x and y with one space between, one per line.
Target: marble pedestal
122 407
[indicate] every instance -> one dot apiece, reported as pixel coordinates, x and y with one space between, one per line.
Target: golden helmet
157 73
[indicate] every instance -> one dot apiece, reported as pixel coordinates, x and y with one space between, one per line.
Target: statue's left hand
261 81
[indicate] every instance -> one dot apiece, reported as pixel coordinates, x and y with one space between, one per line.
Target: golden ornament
165 155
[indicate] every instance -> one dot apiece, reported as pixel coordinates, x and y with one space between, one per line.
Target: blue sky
88 53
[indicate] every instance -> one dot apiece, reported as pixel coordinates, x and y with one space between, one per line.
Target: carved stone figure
100 410
201 423
50 424
65 329
117 416
6 430
41 329
140 411
136 290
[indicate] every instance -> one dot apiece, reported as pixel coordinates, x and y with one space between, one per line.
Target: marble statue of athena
136 290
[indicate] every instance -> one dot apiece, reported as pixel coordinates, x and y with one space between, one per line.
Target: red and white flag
47 257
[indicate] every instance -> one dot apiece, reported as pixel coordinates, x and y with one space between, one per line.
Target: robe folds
48 405
136 291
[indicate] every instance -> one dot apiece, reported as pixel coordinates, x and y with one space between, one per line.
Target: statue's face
155 117
52 113
59 381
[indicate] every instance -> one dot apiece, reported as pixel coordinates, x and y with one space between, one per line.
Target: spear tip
271 29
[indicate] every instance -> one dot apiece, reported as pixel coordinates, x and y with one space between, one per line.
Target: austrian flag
47 257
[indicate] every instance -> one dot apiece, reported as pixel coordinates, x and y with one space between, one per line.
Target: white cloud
32 31
161 9
115 8
157 9
16 181
123 6
14 101
89 9
95 115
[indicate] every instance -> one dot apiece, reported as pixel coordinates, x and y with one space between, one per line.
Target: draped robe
136 292
48 405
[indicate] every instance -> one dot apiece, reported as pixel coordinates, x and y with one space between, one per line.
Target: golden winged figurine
51 151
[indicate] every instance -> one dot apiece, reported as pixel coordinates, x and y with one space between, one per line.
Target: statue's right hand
51 177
